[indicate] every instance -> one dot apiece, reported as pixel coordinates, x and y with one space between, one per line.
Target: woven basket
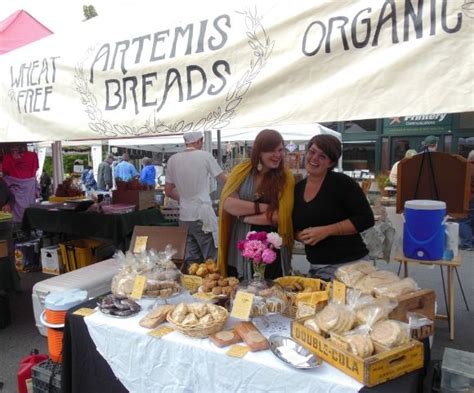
200 331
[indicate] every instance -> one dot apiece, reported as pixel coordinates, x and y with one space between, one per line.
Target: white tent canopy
172 143
213 65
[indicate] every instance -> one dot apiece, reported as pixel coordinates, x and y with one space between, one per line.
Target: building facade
375 144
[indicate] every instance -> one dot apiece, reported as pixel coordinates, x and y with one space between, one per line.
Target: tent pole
219 148
58 168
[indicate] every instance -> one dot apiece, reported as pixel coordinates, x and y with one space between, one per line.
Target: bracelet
257 207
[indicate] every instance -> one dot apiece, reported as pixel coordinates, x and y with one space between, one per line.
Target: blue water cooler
423 230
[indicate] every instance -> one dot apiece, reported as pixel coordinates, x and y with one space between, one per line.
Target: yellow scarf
285 209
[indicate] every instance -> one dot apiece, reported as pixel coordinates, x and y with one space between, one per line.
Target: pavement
22 336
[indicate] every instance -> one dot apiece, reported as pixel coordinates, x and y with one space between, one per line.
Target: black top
6 196
339 198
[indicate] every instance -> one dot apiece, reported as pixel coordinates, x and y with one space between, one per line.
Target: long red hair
274 180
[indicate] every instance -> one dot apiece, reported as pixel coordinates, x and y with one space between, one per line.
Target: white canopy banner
212 65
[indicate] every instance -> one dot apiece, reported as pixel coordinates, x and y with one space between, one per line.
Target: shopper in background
125 171
330 210
88 179
9 278
394 171
45 186
104 174
187 181
466 225
258 196
148 173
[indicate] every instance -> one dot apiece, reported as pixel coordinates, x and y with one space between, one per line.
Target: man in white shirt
187 180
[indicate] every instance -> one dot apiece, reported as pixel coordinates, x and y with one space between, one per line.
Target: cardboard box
371 371
51 260
142 199
157 238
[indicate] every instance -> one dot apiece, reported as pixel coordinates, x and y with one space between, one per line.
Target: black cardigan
339 198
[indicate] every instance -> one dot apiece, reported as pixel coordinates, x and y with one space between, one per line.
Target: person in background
9 278
7 199
394 171
104 174
148 173
125 171
258 196
330 210
45 186
466 225
187 181
430 143
88 179
19 168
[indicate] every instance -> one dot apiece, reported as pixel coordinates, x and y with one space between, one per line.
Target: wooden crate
142 199
421 301
371 371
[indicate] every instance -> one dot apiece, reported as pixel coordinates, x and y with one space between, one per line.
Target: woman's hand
313 235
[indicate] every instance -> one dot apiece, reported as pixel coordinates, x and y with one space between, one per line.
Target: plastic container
46 377
424 229
53 317
457 371
25 369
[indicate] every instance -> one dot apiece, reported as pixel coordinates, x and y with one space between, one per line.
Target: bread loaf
156 316
251 336
225 338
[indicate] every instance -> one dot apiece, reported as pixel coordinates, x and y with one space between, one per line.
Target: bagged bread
156 316
369 313
390 333
360 345
336 318
351 273
379 277
396 288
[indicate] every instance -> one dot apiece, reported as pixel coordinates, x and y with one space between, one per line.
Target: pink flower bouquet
259 247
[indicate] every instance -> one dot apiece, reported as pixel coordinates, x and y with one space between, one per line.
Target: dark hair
329 144
274 180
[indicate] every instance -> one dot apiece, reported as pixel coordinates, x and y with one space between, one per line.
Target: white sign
214 65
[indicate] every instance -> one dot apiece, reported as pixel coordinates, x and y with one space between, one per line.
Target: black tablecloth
85 370
116 227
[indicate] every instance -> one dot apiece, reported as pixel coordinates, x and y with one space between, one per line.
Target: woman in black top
330 210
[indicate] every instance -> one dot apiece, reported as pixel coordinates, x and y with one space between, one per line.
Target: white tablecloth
177 363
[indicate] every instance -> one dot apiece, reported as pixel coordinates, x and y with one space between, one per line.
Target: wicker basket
201 331
293 296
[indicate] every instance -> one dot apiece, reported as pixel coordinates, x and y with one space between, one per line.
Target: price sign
162 331
140 244
242 305
84 312
339 292
238 351
138 287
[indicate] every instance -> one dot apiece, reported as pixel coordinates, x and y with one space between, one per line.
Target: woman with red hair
258 196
